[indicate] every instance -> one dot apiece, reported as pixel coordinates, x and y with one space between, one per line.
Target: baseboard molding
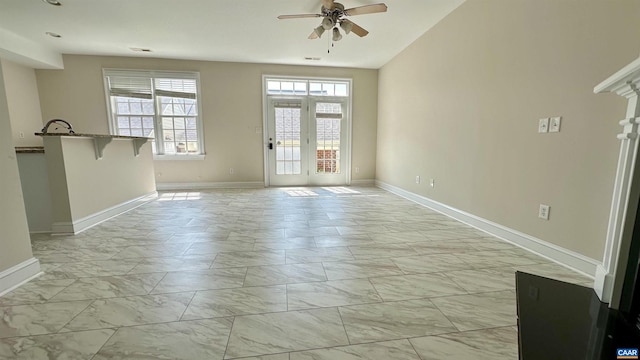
87 222
209 185
62 228
19 274
365 182
560 255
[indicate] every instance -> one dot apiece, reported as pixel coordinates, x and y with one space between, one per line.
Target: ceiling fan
334 15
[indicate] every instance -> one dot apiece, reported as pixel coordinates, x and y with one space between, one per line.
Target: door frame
265 120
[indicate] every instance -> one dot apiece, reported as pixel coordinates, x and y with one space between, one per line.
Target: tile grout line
226 348
105 343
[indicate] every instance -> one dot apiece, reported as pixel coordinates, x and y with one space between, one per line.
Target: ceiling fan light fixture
319 31
327 23
53 2
347 26
336 34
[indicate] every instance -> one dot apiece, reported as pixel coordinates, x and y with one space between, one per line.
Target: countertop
29 149
94 136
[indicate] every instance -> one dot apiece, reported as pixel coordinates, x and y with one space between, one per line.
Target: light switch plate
543 125
543 211
554 124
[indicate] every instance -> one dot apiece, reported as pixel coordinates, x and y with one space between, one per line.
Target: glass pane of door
328 133
287 140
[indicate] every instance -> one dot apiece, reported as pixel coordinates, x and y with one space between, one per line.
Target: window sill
178 157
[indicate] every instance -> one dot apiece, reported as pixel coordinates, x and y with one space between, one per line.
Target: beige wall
231 109
15 244
24 103
461 105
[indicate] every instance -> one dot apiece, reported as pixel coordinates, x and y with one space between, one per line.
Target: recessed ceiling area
220 30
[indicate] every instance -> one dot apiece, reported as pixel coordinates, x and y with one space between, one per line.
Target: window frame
160 153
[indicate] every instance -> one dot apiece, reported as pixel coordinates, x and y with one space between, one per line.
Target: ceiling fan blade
357 29
367 9
313 35
299 16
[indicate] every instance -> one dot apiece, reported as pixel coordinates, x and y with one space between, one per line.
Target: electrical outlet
432 183
357 170
417 179
231 171
543 125
543 211
554 124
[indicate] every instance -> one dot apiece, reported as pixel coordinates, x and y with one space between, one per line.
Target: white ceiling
214 30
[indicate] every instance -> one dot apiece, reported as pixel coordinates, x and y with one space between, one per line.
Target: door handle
270 144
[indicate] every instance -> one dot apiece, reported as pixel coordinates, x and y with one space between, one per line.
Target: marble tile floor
272 274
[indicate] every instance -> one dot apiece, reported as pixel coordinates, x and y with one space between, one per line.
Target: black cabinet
558 320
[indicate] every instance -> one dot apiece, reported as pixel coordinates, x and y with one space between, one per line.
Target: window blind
179 88
135 87
141 83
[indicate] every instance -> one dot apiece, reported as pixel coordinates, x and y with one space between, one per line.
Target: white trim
40 232
209 185
562 256
624 202
620 81
80 225
363 182
265 132
65 227
19 274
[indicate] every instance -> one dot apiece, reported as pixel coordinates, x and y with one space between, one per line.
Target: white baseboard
365 182
101 216
562 256
209 185
40 232
603 284
62 228
19 274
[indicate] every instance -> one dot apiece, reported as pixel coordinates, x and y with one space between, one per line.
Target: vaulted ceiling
214 30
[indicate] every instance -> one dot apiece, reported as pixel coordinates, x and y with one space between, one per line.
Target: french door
307 141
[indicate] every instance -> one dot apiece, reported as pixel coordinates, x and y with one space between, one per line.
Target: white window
307 87
157 104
